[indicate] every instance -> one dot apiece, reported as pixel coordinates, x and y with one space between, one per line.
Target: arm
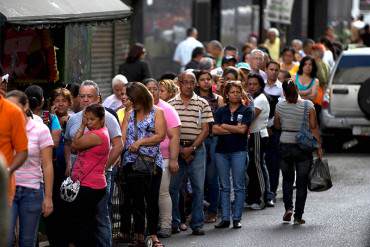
47 169
314 90
174 136
277 124
55 134
218 130
115 151
315 130
220 101
187 151
18 160
159 133
235 129
67 156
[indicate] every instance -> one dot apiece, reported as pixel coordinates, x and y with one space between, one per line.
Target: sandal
157 244
211 218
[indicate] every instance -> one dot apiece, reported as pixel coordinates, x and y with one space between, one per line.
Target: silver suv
346 106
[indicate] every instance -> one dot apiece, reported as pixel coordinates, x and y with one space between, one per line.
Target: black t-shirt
136 71
233 142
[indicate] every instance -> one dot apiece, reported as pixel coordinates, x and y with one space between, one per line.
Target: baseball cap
243 65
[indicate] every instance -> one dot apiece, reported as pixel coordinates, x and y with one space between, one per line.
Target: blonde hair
170 86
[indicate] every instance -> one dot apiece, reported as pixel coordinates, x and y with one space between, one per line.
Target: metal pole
4 207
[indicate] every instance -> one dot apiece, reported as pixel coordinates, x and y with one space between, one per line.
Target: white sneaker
256 206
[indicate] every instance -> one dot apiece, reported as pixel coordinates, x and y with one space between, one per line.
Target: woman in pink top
34 179
93 149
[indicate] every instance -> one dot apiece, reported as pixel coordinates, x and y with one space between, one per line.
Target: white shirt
260 122
275 89
329 58
184 50
112 102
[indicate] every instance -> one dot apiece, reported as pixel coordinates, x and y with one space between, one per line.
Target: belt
186 143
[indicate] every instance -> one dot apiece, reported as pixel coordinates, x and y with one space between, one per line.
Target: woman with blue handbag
299 138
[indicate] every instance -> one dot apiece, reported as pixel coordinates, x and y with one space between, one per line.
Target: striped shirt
197 112
30 173
291 116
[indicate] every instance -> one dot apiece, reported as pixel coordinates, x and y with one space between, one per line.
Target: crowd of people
185 150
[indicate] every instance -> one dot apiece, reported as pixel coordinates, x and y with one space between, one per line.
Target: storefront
62 41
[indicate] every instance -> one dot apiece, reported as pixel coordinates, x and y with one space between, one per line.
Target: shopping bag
319 178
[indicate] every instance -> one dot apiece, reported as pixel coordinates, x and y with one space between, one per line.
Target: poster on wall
29 56
279 11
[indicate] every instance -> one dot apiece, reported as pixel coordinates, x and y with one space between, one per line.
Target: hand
173 166
189 159
186 152
67 173
47 206
319 153
53 109
84 120
134 147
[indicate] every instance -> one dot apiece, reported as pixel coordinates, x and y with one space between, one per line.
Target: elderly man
215 49
114 101
272 43
89 94
256 62
195 115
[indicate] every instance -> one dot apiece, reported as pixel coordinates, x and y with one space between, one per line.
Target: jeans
196 172
212 193
235 162
103 223
295 159
165 203
272 158
27 205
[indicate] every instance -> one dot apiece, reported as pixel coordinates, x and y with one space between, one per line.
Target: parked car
346 106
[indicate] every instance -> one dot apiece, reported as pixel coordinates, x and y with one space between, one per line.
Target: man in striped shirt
195 114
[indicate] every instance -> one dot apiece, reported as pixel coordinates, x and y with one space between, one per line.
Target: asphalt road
338 217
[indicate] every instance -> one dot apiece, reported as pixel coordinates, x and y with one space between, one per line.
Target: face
229 77
288 57
93 122
308 49
256 61
271 36
272 72
61 104
154 90
22 107
163 93
205 82
124 97
235 95
281 76
117 90
187 84
88 96
307 67
253 86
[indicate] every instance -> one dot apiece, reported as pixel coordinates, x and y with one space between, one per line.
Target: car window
352 70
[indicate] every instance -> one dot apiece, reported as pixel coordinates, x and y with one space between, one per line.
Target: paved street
338 217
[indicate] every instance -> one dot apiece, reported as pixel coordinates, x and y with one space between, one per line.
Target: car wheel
364 98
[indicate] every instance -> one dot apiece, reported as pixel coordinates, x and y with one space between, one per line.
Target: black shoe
223 224
237 224
198 232
175 229
270 203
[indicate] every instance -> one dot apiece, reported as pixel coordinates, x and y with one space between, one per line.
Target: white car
346 106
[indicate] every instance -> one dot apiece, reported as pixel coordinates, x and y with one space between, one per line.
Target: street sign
279 11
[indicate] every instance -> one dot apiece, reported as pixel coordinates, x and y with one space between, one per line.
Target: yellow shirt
274 48
121 115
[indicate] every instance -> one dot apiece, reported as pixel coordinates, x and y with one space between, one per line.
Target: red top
89 167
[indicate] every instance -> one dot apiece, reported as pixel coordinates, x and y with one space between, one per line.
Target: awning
49 12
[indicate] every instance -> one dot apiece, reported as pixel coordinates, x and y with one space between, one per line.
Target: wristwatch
194 148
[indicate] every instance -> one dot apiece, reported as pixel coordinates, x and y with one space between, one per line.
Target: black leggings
140 191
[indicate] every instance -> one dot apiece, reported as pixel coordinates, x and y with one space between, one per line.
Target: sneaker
299 221
164 233
256 206
270 203
288 215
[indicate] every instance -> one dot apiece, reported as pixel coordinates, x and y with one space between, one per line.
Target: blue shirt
233 142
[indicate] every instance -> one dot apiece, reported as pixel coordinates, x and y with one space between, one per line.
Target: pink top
173 121
30 173
90 164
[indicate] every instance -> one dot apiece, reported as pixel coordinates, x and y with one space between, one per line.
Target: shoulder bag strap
304 123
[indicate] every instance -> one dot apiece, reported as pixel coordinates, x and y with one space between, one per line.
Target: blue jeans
103 223
235 162
27 205
196 173
212 185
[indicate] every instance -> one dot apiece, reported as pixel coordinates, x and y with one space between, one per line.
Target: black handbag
319 178
144 164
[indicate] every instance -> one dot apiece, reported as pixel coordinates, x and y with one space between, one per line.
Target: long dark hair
35 96
260 80
139 94
314 66
22 99
291 91
136 51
